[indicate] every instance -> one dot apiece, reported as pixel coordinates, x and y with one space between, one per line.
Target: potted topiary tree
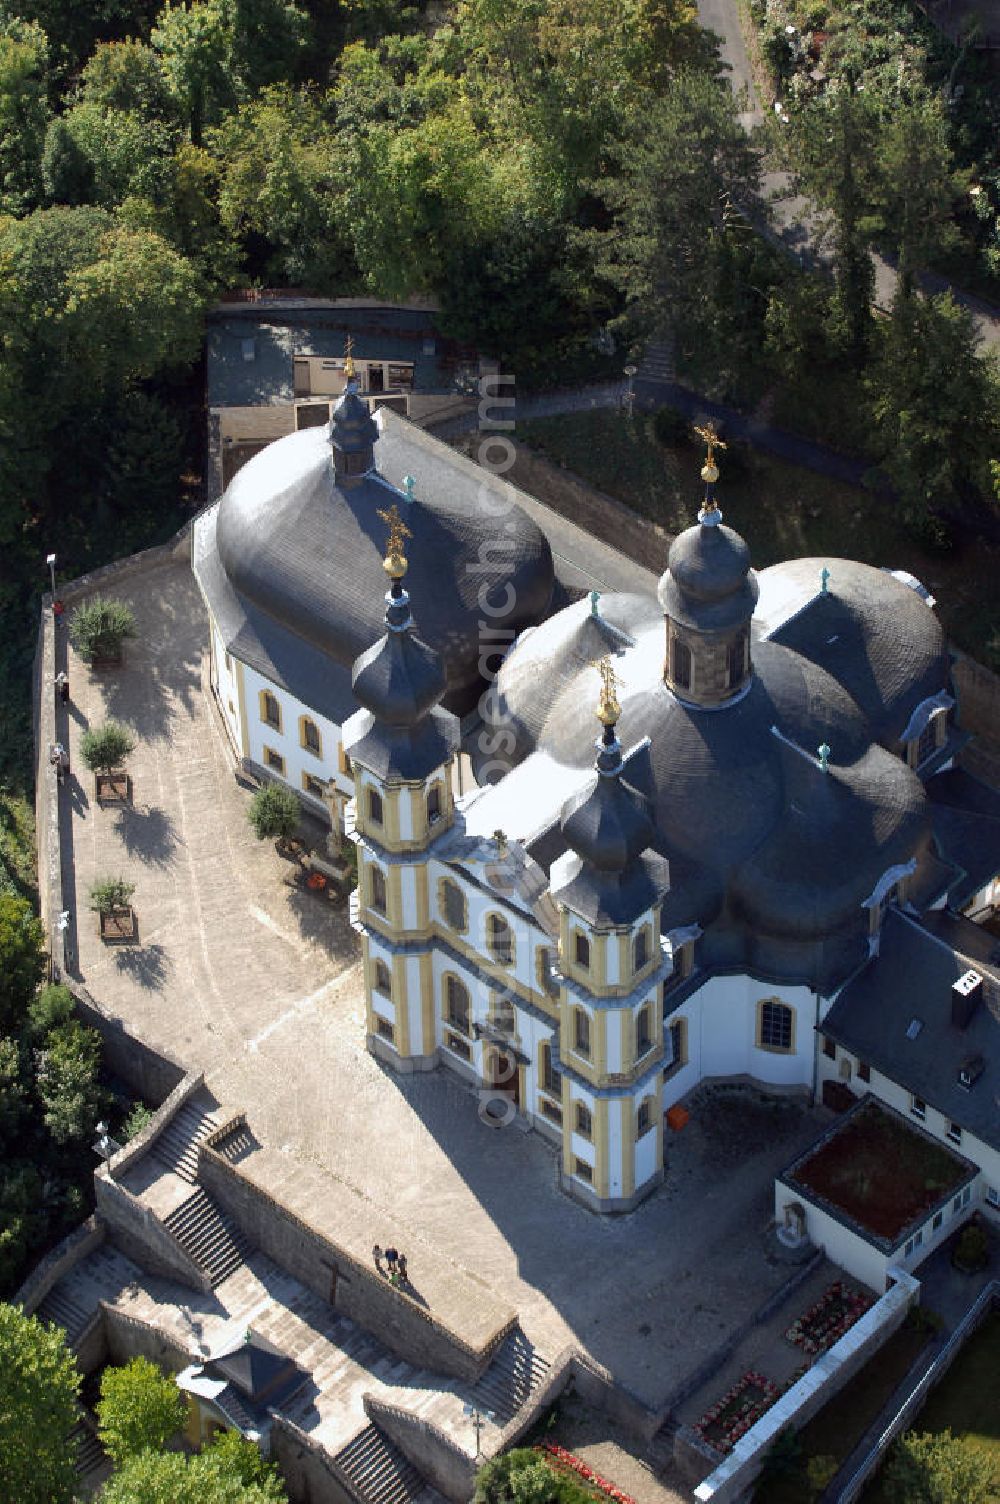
99 629
111 898
274 814
104 749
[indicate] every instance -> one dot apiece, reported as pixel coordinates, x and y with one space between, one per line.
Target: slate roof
966 815
259 1376
912 978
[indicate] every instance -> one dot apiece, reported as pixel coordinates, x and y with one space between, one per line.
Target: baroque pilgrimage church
719 833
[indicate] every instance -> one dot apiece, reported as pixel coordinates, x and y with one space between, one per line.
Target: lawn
782 510
879 1172
840 1425
967 1400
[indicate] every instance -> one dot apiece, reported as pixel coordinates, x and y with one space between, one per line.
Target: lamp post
50 560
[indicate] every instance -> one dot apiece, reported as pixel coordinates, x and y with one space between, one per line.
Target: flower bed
837 1309
560 1458
726 1421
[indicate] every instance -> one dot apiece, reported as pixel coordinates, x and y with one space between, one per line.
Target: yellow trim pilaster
400 998
601 1147
427 1014
241 701
626 1109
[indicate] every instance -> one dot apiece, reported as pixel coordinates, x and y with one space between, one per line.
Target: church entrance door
503 1074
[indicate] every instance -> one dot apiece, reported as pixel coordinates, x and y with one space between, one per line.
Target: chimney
965 996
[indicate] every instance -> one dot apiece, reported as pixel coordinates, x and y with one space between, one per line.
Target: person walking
62 685
377 1256
391 1258
401 1266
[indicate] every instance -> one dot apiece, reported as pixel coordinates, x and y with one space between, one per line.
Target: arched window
270 710
457 1006
775 1029
681 665
309 736
644 1031
581 950
640 949
500 939
736 661
376 890
581 1033
452 903
434 804
548 1076
375 806
382 979
583 1122
504 1013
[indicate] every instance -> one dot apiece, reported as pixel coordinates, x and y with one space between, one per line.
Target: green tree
52 1006
22 959
936 406
145 456
111 893
171 1478
524 1477
274 812
104 748
939 1468
67 1081
39 1384
127 155
194 43
126 76
24 113
140 1408
98 628
67 171
24 1223
918 185
12 1089
138 1118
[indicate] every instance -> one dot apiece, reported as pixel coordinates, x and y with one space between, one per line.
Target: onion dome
400 732
612 876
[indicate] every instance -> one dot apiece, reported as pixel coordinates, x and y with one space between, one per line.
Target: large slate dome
301 545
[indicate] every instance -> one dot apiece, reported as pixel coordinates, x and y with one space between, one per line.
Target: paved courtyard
259 987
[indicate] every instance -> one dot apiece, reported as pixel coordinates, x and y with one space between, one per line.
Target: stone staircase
90 1455
176 1147
516 1371
658 363
61 1309
378 1471
237 1144
208 1236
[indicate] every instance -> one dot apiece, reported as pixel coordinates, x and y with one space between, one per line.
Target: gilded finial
500 838
394 563
349 370
710 470
608 709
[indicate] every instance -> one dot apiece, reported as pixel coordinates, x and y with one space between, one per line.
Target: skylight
913 1027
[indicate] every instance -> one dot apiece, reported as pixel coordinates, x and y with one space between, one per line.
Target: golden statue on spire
608 709
710 436
394 563
349 370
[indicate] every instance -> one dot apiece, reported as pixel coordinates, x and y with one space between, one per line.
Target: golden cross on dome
349 371
709 435
609 709
394 562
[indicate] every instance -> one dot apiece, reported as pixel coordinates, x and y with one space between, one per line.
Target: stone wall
310 1473
138 1147
978 693
91 1347
150 1073
599 1389
127 1338
441 1462
734 1476
561 1373
142 1237
74 1248
389 1314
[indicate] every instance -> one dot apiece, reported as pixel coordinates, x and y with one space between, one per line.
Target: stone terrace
259 987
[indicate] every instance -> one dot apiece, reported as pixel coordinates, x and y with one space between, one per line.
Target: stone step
60 1308
207 1236
176 1148
378 1470
516 1371
90 1455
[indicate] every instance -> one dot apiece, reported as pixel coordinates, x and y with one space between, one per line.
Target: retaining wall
428 1447
138 1147
142 1237
128 1337
389 1314
310 1473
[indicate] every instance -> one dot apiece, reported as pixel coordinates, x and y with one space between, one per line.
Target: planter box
106 661
119 926
113 788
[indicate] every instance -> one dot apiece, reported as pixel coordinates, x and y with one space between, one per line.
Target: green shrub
136 1120
111 893
274 813
53 1006
104 748
99 628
